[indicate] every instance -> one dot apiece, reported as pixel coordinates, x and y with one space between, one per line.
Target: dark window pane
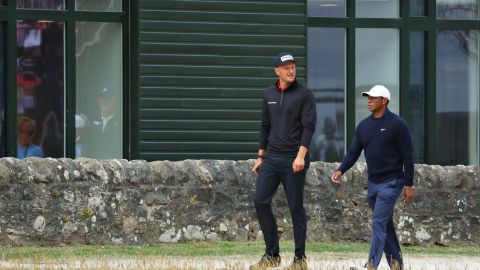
417 7
417 94
99 5
326 78
41 4
99 119
2 89
40 88
457 105
458 10
326 8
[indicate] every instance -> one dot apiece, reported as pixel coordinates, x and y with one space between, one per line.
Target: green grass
203 249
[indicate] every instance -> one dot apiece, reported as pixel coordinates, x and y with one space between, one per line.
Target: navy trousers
273 171
382 198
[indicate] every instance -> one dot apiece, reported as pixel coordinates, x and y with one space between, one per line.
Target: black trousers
273 171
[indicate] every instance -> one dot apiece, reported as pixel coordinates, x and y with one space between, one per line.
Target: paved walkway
324 261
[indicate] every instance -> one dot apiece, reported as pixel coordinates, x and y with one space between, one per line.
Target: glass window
376 9
40 88
2 89
458 98
417 94
326 78
458 9
99 5
99 119
41 4
417 8
376 62
326 8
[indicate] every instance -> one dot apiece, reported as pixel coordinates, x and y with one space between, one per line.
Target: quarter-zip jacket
288 119
387 144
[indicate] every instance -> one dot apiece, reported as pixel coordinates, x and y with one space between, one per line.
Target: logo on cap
286 58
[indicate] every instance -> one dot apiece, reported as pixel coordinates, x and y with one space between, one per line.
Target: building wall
203 68
87 201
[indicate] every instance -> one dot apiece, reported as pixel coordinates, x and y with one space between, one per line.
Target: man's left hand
298 164
408 194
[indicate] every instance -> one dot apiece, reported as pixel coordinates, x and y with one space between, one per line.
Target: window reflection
458 99
99 118
2 89
417 94
458 10
377 9
376 62
99 5
417 7
41 4
326 8
326 78
40 83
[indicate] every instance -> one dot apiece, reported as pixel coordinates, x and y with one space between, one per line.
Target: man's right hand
256 167
336 177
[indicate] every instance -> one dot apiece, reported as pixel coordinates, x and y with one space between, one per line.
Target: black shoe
267 261
299 263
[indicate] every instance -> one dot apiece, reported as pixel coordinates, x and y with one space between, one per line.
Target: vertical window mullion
70 94
405 111
11 78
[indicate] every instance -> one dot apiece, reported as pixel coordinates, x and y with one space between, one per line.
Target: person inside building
105 133
287 125
26 130
387 144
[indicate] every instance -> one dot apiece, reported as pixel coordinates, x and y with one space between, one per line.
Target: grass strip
213 249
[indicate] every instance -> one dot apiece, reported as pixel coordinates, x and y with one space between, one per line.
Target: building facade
183 79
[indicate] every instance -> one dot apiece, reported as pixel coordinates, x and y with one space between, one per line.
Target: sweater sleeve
404 142
352 155
265 125
308 118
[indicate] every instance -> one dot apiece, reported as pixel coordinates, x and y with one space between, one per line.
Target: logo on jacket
272 102
383 129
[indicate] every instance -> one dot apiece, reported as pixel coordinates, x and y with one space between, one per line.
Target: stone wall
85 201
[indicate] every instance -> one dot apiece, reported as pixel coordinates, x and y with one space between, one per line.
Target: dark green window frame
405 23
9 14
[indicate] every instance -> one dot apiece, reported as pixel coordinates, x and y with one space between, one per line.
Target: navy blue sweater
388 148
288 119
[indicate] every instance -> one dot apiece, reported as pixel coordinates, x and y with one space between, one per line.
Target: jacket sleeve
265 125
308 118
404 141
353 153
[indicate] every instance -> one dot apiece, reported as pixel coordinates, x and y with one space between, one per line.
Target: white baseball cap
377 91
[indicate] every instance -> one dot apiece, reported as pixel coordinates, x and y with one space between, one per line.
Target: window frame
429 24
9 14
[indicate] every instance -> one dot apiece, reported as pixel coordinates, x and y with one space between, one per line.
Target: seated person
26 128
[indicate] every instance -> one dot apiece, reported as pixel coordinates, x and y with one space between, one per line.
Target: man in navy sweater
386 140
288 123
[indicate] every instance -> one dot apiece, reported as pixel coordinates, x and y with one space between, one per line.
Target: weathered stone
170 236
85 201
39 224
193 233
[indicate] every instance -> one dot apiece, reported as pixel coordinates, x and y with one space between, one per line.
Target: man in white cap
387 142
